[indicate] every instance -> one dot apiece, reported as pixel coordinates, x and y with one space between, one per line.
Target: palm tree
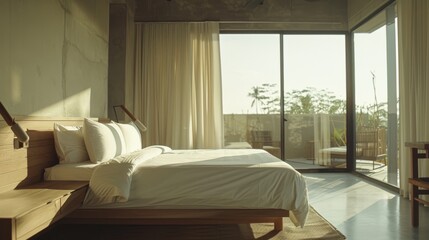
272 103
257 94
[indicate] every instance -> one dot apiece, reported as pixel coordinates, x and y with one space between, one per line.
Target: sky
316 61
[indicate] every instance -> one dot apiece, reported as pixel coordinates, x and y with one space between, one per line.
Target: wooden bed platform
25 166
132 216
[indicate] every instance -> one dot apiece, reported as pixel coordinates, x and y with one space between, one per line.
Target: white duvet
158 177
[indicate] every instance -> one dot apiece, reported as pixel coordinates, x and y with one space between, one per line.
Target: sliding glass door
250 89
306 127
315 100
376 91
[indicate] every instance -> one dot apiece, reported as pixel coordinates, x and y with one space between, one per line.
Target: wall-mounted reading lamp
20 134
139 124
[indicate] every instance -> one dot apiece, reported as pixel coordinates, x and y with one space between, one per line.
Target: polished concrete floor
373 169
362 210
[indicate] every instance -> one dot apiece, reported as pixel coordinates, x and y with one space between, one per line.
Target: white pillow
132 136
69 144
103 141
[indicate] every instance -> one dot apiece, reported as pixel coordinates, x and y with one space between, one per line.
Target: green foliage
257 94
372 116
265 96
339 136
312 101
305 101
272 103
318 101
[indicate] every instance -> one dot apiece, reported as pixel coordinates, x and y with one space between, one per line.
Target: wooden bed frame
25 166
132 216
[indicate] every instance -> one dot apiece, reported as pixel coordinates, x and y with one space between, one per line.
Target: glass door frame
389 8
349 93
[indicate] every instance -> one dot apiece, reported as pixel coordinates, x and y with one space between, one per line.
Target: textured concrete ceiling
241 10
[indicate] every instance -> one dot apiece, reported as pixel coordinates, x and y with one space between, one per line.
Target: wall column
121 57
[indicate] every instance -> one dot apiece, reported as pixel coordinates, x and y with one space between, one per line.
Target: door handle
284 119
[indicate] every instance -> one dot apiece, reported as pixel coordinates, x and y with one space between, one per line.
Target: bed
158 185
157 177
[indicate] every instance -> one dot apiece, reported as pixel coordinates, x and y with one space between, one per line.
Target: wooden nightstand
28 210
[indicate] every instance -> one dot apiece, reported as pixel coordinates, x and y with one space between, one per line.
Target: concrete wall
121 57
53 59
358 10
237 15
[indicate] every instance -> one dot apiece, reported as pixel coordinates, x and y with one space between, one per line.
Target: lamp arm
16 128
20 133
137 123
6 116
129 113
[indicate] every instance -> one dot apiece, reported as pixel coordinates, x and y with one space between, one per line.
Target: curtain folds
413 32
178 84
322 136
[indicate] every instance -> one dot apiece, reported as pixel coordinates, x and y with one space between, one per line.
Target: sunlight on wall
16 85
78 105
50 110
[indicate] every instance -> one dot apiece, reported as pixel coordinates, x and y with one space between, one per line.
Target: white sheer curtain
178 84
322 139
413 32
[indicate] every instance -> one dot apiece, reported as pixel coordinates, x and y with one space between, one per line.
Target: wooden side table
420 185
28 210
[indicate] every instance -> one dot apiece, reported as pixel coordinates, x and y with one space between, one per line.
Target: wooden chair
371 145
262 139
419 184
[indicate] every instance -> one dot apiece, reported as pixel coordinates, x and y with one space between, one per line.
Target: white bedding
158 177
81 171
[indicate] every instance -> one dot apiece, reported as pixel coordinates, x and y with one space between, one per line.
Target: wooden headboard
20 167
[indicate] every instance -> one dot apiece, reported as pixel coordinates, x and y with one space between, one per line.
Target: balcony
311 140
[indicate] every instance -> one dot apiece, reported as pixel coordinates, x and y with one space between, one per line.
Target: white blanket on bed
157 177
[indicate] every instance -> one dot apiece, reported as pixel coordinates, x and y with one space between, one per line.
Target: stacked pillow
69 144
103 141
132 136
95 141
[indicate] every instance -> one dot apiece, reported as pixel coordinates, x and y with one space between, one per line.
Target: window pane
250 88
315 100
376 97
